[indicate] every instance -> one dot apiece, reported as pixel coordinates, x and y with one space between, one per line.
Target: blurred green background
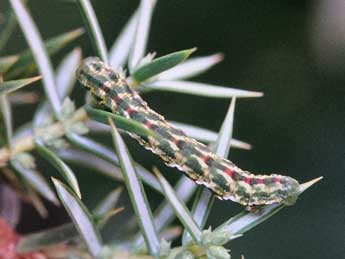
293 51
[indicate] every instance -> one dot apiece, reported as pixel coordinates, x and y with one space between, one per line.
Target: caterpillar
176 149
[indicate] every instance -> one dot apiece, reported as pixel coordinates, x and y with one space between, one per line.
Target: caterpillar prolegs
195 159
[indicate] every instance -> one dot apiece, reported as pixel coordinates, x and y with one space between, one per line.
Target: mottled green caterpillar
195 159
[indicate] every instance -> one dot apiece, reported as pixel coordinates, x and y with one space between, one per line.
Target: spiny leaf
10 86
25 63
119 52
7 62
36 201
91 162
164 214
108 203
103 152
225 134
95 31
65 73
202 206
191 67
41 113
207 90
136 193
6 120
180 209
81 217
120 121
40 55
33 178
102 220
160 64
59 165
65 232
65 80
46 238
142 31
24 97
304 186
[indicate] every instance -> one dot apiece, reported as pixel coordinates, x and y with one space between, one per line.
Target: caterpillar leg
255 209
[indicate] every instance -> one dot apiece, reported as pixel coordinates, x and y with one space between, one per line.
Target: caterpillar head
88 69
99 78
292 191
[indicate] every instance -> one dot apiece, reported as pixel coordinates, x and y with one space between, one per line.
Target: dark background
294 52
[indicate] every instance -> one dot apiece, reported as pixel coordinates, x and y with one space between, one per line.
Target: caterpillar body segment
195 159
